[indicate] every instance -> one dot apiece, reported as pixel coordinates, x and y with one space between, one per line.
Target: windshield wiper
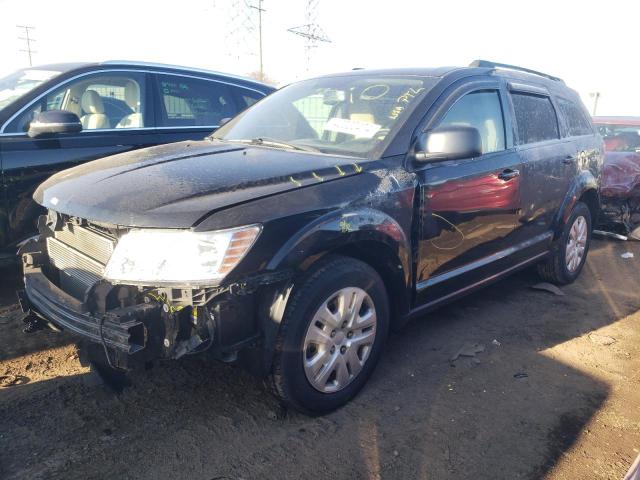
270 142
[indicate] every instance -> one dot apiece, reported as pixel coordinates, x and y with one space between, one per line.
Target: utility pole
27 39
595 96
260 10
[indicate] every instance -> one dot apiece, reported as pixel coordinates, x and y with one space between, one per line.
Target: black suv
53 117
298 234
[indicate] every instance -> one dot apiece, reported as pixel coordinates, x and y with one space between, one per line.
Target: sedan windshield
345 115
21 82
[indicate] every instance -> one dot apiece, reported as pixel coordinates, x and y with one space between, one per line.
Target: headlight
171 257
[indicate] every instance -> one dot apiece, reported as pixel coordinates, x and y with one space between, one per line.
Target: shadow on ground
13 343
511 412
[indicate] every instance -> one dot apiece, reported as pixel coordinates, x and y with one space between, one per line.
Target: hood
177 185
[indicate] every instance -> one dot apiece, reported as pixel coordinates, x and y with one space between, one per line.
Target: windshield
346 115
620 138
21 82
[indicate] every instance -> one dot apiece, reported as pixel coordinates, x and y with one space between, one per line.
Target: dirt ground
554 394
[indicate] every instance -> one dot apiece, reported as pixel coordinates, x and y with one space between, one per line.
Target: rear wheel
331 336
570 253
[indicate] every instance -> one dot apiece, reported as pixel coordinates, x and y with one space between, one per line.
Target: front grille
90 242
80 254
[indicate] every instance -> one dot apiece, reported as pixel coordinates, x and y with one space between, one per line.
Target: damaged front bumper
136 325
120 329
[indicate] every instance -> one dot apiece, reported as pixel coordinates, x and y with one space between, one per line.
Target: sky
590 45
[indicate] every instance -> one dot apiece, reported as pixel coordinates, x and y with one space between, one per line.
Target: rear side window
193 102
535 117
248 97
482 111
577 124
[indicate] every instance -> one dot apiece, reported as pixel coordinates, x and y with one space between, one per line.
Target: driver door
469 208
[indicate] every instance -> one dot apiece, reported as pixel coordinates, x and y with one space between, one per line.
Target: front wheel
570 253
331 336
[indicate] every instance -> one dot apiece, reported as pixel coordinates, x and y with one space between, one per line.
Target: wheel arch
584 189
592 199
368 235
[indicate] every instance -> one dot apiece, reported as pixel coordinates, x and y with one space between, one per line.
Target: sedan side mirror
451 142
54 121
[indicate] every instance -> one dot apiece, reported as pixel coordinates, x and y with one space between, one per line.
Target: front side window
345 115
482 111
536 118
577 123
193 102
101 101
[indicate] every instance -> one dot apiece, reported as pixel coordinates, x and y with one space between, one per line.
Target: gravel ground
552 392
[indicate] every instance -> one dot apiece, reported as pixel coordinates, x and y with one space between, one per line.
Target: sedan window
192 102
101 101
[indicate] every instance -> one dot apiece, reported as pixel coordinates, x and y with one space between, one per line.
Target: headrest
132 95
91 102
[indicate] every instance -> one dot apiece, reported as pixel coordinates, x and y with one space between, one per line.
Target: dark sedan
55 116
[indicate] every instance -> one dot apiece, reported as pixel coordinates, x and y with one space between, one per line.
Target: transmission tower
27 38
241 29
310 30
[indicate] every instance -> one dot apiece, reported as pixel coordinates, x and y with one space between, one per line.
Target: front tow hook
32 322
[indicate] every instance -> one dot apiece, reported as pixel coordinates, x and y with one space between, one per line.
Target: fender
342 228
365 233
582 183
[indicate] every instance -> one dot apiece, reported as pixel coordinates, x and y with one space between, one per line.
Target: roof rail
489 64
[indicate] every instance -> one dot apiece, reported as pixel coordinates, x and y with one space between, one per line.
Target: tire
297 357
555 269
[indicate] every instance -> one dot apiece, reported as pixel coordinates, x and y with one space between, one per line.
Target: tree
265 78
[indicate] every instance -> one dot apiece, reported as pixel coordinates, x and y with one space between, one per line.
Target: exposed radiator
90 242
80 254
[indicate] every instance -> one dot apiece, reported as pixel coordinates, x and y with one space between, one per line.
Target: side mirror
451 142
54 121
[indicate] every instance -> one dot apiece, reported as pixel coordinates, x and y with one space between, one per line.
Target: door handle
508 174
569 160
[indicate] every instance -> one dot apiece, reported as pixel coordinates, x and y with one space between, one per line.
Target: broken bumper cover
135 326
123 329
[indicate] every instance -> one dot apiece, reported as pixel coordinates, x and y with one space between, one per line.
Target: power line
27 38
240 29
310 31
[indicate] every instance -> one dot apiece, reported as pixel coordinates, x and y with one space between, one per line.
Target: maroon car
621 177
